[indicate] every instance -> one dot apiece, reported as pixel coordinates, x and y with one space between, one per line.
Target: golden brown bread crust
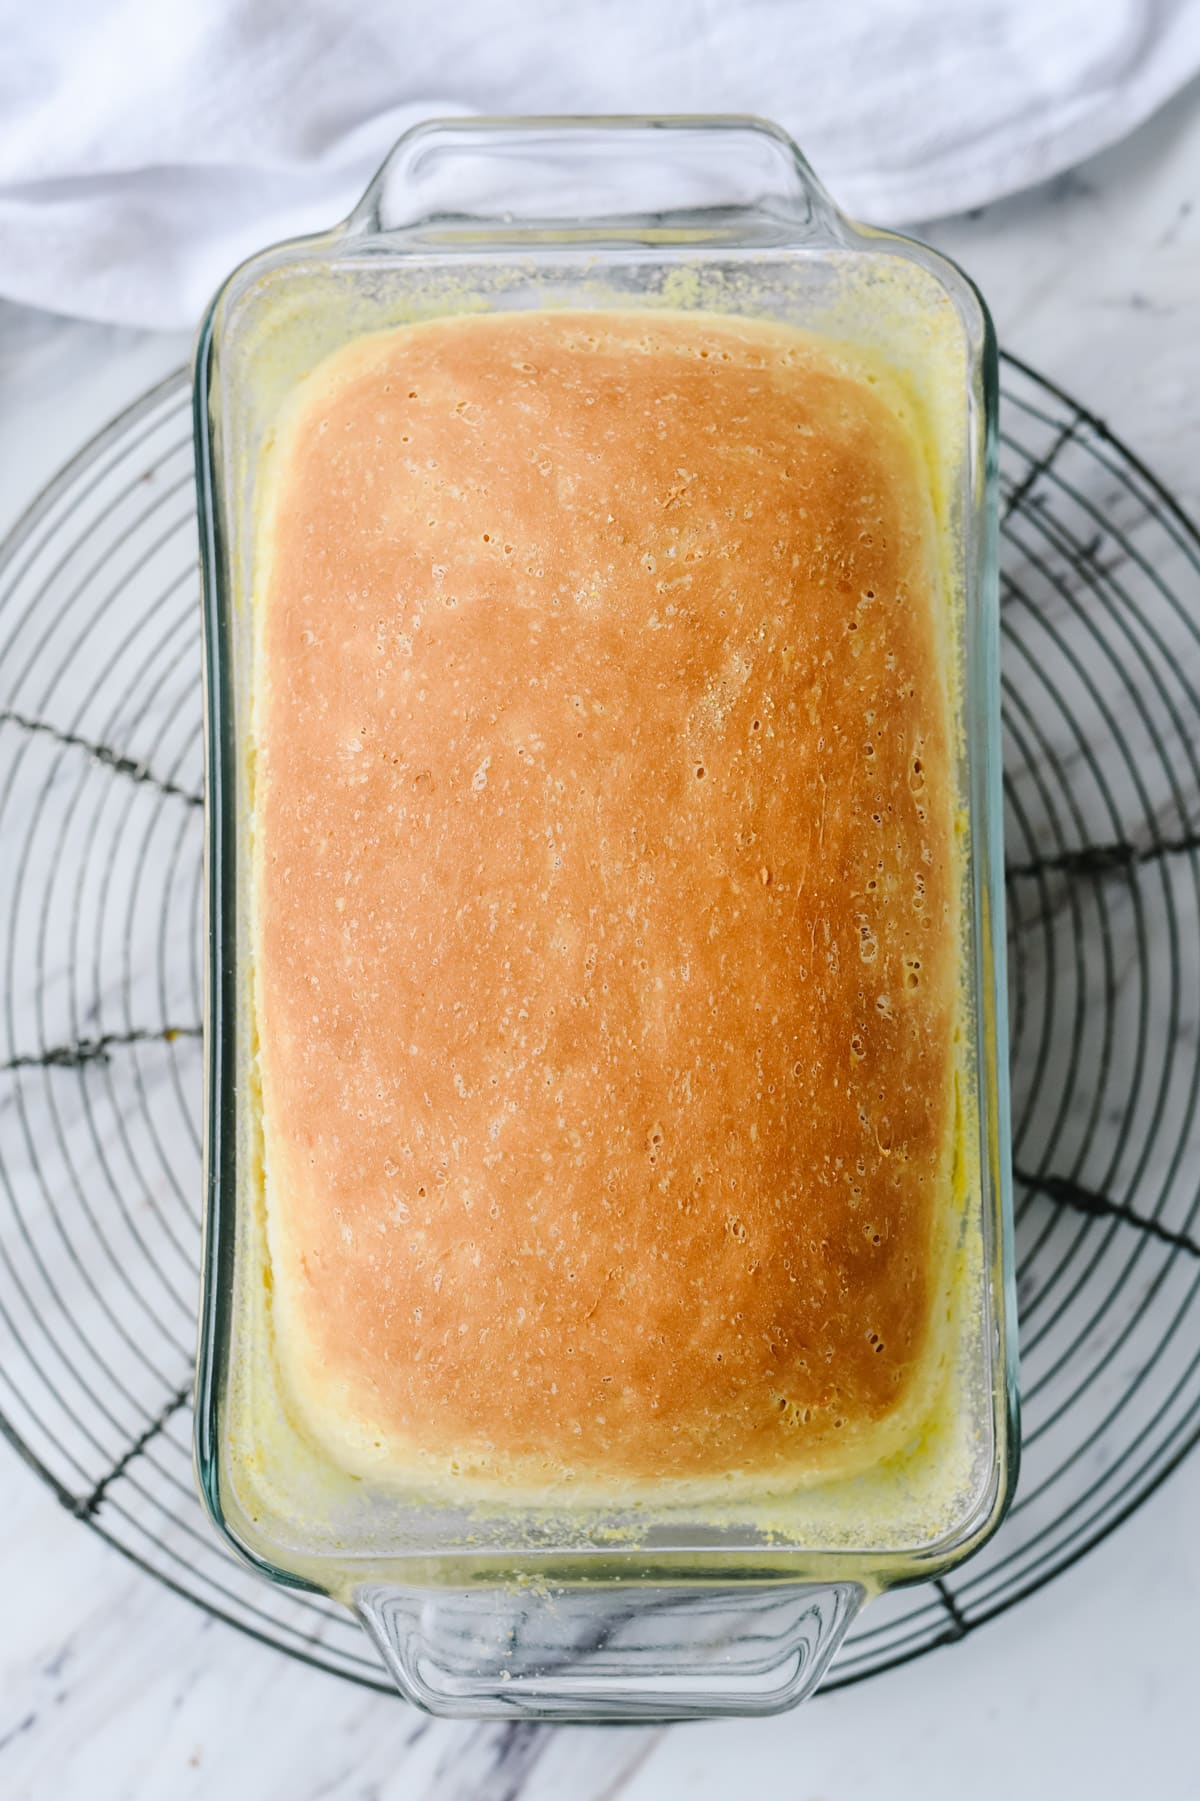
606 928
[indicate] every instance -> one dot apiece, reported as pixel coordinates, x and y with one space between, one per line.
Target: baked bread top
606 962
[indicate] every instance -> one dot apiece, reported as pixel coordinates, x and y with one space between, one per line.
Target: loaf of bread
606 917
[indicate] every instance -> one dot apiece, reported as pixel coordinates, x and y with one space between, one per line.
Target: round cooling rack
101 778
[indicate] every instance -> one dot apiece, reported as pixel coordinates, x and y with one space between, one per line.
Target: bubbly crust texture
605 921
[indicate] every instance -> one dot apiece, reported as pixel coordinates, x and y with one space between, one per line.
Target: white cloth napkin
146 146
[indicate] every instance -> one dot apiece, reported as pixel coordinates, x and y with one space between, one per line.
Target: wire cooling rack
101 776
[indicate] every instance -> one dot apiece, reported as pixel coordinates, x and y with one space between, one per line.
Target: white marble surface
113 1689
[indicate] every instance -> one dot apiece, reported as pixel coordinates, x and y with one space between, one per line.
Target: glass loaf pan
656 1610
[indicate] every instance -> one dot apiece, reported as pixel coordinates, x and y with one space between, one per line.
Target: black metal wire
101 773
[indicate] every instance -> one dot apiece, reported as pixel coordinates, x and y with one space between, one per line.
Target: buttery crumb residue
606 919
